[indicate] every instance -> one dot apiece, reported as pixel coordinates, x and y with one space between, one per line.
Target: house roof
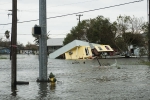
76 43
68 47
55 42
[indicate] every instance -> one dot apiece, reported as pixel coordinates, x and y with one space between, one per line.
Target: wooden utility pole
148 8
13 45
11 34
79 17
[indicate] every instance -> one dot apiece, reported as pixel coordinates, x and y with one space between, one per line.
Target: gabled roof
55 42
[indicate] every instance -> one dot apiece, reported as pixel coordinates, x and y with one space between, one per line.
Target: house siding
79 53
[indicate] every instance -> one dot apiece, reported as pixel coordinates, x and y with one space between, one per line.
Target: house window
100 48
87 51
70 52
107 47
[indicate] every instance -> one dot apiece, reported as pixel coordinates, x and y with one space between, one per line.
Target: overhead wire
31 34
79 12
62 5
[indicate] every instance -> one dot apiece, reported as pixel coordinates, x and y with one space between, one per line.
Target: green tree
36 40
7 34
120 34
101 31
97 30
78 32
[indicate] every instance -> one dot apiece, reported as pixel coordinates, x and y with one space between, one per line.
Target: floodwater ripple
77 80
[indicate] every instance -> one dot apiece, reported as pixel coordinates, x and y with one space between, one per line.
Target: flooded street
78 79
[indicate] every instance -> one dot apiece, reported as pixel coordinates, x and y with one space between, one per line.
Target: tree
129 29
28 45
122 33
36 40
7 34
101 31
68 39
1 39
97 30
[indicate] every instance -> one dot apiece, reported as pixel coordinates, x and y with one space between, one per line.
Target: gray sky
59 27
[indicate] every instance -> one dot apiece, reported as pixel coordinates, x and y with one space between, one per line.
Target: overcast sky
59 27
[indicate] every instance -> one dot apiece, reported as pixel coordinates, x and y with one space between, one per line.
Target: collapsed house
78 49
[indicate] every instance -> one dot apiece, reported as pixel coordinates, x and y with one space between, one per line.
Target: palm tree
7 35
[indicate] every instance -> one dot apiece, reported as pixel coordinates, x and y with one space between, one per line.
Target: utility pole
42 42
148 29
13 45
11 36
79 17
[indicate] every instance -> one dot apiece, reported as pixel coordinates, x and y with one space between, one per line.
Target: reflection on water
42 90
84 80
14 91
52 86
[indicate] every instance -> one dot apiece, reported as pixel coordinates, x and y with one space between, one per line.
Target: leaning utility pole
79 17
42 41
13 45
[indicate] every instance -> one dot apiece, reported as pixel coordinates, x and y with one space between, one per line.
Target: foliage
28 44
1 57
130 29
125 31
7 34
101 31
145 62
37 37
36 40
97 30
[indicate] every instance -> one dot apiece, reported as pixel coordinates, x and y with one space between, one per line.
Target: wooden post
148 29
13 45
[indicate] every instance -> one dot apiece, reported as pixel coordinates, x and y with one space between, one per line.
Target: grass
1 57
145 62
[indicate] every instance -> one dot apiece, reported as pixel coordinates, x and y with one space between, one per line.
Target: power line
79 12
63 5
31 34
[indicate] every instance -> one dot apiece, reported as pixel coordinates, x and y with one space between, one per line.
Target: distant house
30 49
54 43
4 50
80 50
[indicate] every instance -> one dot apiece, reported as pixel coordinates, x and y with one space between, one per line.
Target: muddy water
77 80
